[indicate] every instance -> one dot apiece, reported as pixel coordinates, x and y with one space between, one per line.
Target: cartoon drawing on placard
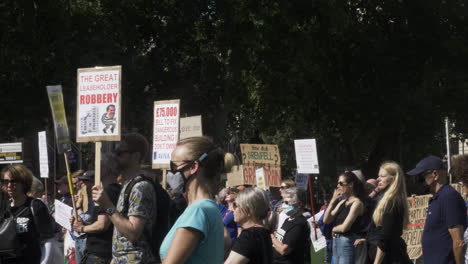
108 119
89 122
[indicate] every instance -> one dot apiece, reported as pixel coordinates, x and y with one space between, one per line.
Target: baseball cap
62 180
428 163
87 176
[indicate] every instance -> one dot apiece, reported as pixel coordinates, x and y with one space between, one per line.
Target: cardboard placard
260 154
62 135
165 131
246 174
191 127
98 104
11 153
417 217
306 156
43 155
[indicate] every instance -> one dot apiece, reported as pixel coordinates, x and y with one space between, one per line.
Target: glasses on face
173 166
288 202
283 187
119 152
342 183
6 182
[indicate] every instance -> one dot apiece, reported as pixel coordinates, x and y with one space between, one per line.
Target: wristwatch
110 210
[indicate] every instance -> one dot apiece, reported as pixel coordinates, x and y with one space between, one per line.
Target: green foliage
370 80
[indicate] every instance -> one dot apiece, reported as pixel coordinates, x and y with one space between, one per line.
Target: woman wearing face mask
346 214
197 235
291 242
384 241
252 211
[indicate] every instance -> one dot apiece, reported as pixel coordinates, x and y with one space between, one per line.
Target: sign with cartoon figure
99 104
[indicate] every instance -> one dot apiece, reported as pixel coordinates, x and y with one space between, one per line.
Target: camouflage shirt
141 201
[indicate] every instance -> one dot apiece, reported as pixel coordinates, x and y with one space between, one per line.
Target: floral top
141 201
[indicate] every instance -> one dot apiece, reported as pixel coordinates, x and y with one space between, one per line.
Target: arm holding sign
131 227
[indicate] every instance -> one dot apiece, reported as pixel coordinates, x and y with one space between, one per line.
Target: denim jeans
343 249
80 246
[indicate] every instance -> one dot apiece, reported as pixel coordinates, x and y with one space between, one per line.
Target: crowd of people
130 218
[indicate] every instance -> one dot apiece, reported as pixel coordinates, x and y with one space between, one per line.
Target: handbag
9 244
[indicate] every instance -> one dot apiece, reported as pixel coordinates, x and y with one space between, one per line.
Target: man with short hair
442 240
131 242
108 118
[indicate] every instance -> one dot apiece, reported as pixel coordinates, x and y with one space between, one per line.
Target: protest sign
306 156
98 104
63 213
246 175
260 154
60 119
417 216
11 153
302 181
320 241
260 178
43 155
165 131
191 127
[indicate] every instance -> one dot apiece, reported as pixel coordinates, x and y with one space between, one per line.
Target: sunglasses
424 174
173 166
6 182
286 202
342 184
119 152
283 187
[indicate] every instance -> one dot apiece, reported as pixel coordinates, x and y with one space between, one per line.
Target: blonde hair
213 159
395 195
255 203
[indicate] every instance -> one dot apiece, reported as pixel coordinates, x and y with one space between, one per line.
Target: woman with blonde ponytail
390 217
252 211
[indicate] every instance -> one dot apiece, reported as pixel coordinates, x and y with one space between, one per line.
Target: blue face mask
288 209
176 181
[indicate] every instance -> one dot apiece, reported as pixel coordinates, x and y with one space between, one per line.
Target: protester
446 220
132 238
99 233
390 217
346 215
64 190
197 236
252 211
33 222
278 207
291 243
228 218
85 210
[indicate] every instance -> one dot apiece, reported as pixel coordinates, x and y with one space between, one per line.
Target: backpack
161 226
10 245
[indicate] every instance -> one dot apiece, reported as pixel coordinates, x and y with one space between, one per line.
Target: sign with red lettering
98 104
246 174
165 131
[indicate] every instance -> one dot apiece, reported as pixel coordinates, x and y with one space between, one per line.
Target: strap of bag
128 191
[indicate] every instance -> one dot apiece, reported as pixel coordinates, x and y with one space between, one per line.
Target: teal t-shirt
203 215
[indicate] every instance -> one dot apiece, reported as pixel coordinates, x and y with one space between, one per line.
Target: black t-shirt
255 244
100 244
294 233
32 230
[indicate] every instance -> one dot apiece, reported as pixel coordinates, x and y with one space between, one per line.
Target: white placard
98 104
11 153
43 156
260 178
191 127
318 242
63 213
306 156
301 181
165 131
